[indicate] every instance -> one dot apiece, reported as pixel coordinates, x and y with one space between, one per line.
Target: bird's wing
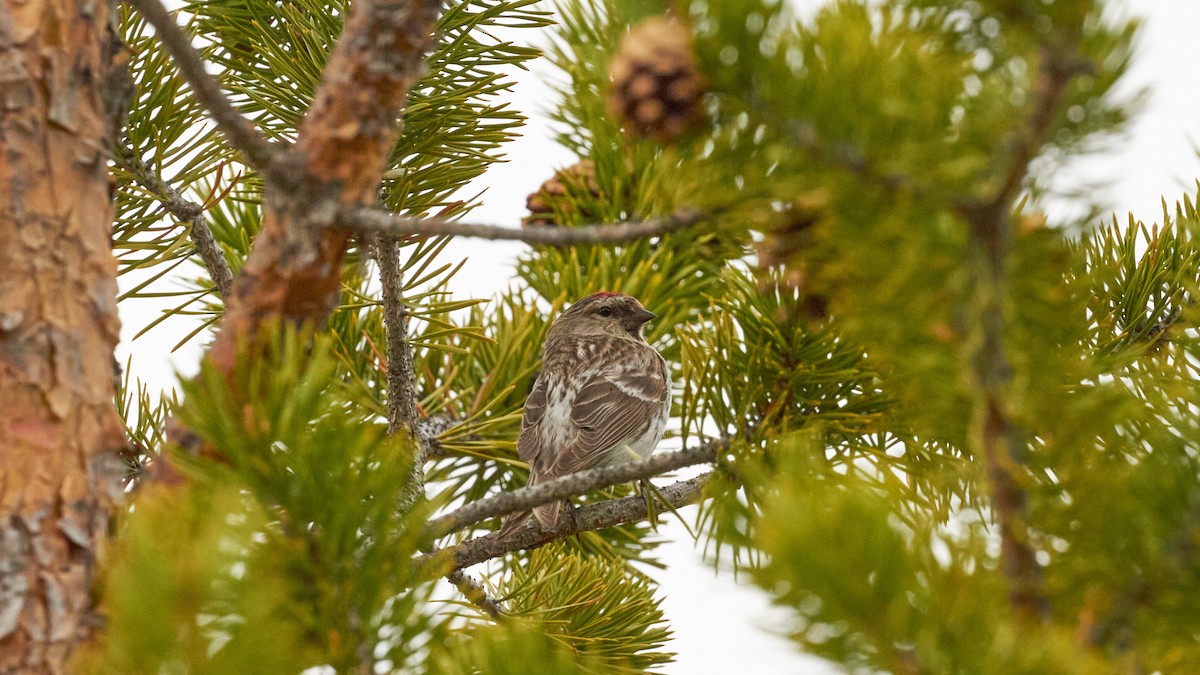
529 443
614 406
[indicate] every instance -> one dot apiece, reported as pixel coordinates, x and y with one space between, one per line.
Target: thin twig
379 221
1055 72
572 485
848 157
584 519
183 210
239 131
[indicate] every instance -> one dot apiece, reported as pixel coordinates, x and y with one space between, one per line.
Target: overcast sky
720 626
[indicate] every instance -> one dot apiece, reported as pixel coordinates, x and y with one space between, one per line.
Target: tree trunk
59 432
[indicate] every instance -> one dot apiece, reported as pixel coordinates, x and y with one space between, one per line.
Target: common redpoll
603 396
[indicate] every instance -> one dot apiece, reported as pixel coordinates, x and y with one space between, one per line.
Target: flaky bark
59 432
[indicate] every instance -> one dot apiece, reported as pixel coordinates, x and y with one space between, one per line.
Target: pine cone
656 87
555 195
788 246
801 302
793 232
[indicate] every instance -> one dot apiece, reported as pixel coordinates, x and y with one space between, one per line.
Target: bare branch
379 221
401 382
186 211
427 429
402 399
572 485
850 158
239 131
584 519
475 593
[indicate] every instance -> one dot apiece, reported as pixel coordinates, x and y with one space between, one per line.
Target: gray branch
427 430
239 131
401 380
585 519
186 211
572 485
381 222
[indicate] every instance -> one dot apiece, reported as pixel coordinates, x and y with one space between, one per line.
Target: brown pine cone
792 233
554 197
656 89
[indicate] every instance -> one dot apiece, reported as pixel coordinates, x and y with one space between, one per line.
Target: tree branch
848 157
572 485
1002 443
584 519
238 130
475 594
294 272
401 382
1056 70
186 211
402 400
427 430
379 221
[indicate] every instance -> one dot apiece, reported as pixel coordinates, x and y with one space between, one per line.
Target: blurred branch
185 211
572 485
1056 70
584 519
1001 441
239 131
378 221
475 593
847 156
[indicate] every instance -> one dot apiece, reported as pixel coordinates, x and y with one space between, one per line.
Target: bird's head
600 314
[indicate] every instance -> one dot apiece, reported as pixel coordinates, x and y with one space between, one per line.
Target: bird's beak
642 315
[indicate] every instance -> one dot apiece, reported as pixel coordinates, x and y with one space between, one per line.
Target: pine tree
949 432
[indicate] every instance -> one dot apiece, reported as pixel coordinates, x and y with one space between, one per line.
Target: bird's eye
605 311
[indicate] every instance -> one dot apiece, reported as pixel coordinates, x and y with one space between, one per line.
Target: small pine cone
800 300
793 233
656 88
555 195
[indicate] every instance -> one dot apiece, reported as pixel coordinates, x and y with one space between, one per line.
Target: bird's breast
557 427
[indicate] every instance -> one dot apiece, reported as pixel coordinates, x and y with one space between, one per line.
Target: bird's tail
547 516
514 522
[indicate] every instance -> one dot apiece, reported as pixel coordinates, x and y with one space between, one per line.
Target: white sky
721 626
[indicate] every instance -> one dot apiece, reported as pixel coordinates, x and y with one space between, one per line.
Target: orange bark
59 432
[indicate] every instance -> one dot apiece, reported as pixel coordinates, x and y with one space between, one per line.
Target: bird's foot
648 492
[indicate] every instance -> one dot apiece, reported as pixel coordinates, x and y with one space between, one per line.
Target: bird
602 397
